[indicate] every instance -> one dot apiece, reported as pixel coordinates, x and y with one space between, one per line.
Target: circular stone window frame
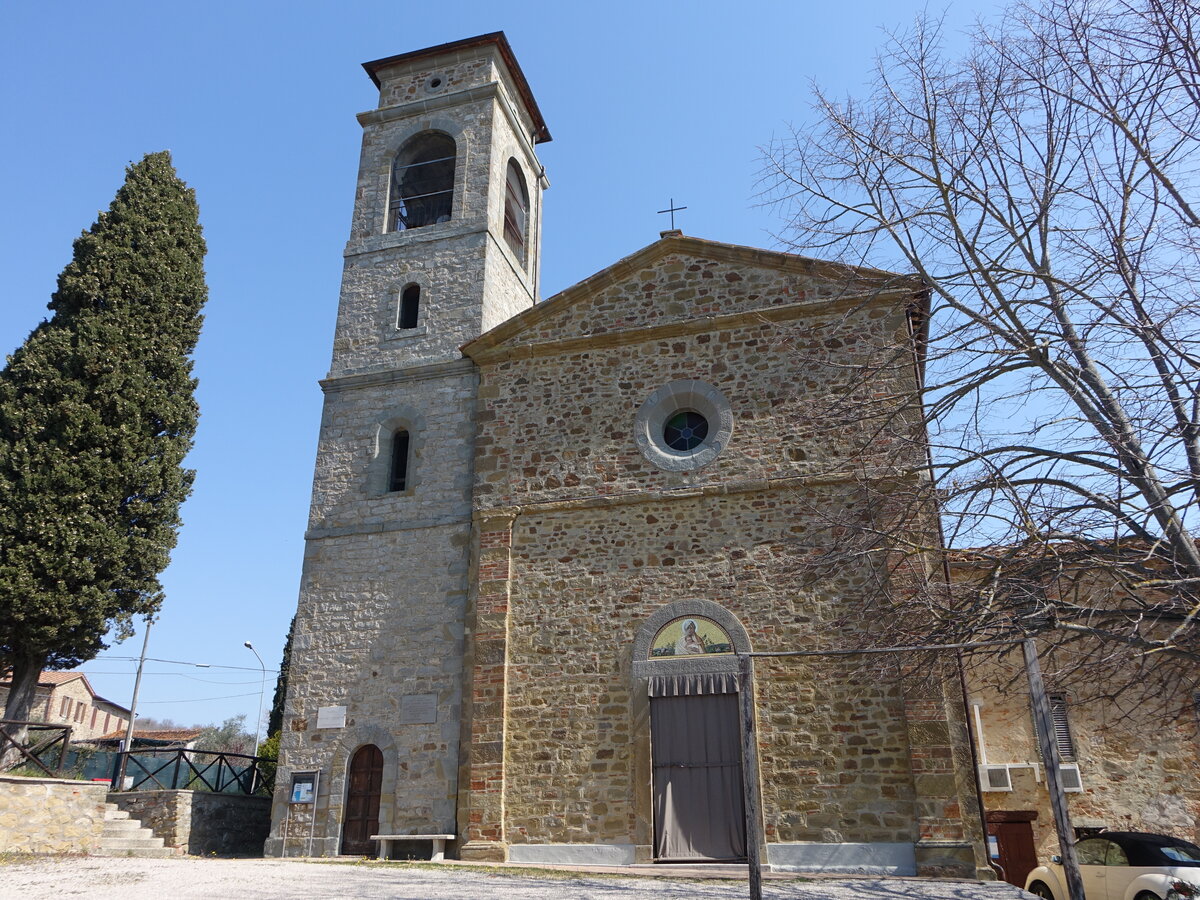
683 396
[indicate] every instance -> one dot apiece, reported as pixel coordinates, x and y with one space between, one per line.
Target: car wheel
1041 890
1147 895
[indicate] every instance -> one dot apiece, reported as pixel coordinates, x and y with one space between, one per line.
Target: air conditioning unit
1071 781
994 778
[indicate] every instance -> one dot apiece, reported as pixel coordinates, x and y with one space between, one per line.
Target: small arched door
362 802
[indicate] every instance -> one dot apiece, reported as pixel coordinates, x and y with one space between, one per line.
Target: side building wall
1138 772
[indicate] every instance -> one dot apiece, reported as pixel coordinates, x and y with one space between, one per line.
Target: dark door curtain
362 802
697 755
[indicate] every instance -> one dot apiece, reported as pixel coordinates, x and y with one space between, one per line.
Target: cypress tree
97 412
275 719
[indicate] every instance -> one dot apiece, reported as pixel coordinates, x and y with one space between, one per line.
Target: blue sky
256 101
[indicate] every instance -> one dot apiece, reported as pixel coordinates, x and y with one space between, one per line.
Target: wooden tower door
696 749
362 802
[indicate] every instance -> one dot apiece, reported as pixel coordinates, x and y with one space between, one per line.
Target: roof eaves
541 134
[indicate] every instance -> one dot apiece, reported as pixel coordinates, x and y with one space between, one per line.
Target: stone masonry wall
469 277
601 538
201 823
87 718
834 751
560 424
44 815
350 490
382 602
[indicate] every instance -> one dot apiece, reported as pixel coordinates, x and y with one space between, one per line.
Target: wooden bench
439 843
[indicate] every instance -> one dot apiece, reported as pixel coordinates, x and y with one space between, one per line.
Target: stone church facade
544 532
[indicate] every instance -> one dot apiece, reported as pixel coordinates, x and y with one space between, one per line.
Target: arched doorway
362 801
687 653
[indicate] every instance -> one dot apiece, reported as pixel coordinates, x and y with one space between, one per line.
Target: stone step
124 835
132 843
142 852
125 828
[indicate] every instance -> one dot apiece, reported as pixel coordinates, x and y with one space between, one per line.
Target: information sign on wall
304 787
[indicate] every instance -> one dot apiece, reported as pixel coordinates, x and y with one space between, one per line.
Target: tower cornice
497 39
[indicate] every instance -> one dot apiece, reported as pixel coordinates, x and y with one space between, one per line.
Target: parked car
1125 865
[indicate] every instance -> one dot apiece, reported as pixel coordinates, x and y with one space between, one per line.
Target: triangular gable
682 279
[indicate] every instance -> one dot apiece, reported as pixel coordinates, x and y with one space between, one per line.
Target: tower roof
541 132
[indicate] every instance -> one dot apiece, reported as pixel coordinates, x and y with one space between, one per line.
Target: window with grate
398 473
516 210
410 305
422 190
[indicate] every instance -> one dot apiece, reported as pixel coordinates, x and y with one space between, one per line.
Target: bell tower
444 245
449 200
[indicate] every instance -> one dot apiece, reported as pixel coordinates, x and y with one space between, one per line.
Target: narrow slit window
516 210
422 190
398 474
410 306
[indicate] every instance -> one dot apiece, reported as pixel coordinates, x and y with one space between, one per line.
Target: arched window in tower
516 210
422 190
398 473
410 307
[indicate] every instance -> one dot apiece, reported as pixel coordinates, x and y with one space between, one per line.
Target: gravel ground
256 879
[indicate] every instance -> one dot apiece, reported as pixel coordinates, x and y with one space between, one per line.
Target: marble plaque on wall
331 717
418 709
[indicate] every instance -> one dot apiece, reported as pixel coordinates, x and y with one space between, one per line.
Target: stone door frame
642 668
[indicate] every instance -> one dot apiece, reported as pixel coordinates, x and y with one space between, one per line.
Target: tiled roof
48 679
171 734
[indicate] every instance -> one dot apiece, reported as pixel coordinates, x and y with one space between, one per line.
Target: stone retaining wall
201 823
50 815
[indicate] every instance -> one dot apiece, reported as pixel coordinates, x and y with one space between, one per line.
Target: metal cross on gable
672 209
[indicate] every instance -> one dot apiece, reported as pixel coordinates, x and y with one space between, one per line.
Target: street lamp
262 686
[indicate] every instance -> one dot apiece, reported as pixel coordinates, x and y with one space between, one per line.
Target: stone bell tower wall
378 644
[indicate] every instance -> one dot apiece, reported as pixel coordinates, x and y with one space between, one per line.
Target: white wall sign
331 717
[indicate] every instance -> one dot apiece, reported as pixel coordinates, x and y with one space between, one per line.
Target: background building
67 698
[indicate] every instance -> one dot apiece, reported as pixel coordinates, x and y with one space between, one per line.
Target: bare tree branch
1044 189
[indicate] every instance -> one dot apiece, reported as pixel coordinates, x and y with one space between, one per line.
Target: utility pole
127 744
1058 799
750 776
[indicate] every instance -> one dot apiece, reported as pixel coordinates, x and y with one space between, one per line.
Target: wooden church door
696 752
362 802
